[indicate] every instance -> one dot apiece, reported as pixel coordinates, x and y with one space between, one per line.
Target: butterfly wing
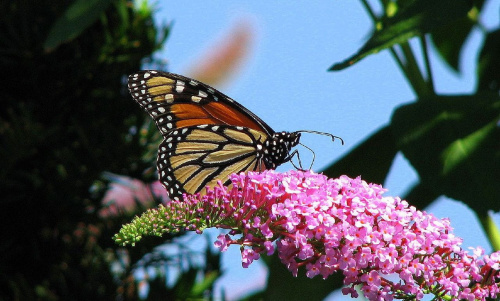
193 157
207 135
175 101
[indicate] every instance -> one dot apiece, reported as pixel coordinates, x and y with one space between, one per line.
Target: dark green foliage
453 142
489 63
450 38
354 163
65 119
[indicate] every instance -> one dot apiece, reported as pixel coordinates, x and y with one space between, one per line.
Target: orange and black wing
191 158
207 135
175 101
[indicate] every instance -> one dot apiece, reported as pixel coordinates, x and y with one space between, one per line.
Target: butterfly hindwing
191 158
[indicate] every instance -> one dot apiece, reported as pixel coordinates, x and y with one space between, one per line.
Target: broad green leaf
183 288
489 63
417 18
205 284
450 38
78 17
371 159
281 285
493 231
253 296
421 196
454 144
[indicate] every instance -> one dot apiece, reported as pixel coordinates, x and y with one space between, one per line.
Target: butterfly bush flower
324 226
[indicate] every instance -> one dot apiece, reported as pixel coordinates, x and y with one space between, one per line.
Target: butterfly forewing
175 101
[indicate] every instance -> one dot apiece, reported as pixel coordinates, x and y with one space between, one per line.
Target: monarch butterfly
207 135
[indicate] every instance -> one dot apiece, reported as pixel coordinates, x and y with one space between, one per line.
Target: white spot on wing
169 98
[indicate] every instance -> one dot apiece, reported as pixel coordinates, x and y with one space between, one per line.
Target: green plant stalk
428 70
414 74
491 230
409 66
402 66
369 10
394 54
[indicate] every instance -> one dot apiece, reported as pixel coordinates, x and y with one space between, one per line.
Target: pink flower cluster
331 225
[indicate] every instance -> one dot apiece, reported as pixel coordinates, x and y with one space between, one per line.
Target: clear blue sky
284 81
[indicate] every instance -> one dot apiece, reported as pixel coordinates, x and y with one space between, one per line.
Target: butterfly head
278 148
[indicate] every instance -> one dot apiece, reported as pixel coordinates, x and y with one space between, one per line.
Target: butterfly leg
290 158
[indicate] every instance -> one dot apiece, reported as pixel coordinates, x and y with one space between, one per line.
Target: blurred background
413 91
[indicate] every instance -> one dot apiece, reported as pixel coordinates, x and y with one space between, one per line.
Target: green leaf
489 63
493 231
421 196
454 144
282 285
208 281
78 17
185 284
450 39
417 18
371 159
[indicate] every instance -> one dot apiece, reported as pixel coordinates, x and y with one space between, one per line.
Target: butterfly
207 136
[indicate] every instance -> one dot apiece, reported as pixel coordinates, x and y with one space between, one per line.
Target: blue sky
285 82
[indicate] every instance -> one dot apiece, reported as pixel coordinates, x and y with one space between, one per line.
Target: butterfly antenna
322 133
313 153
